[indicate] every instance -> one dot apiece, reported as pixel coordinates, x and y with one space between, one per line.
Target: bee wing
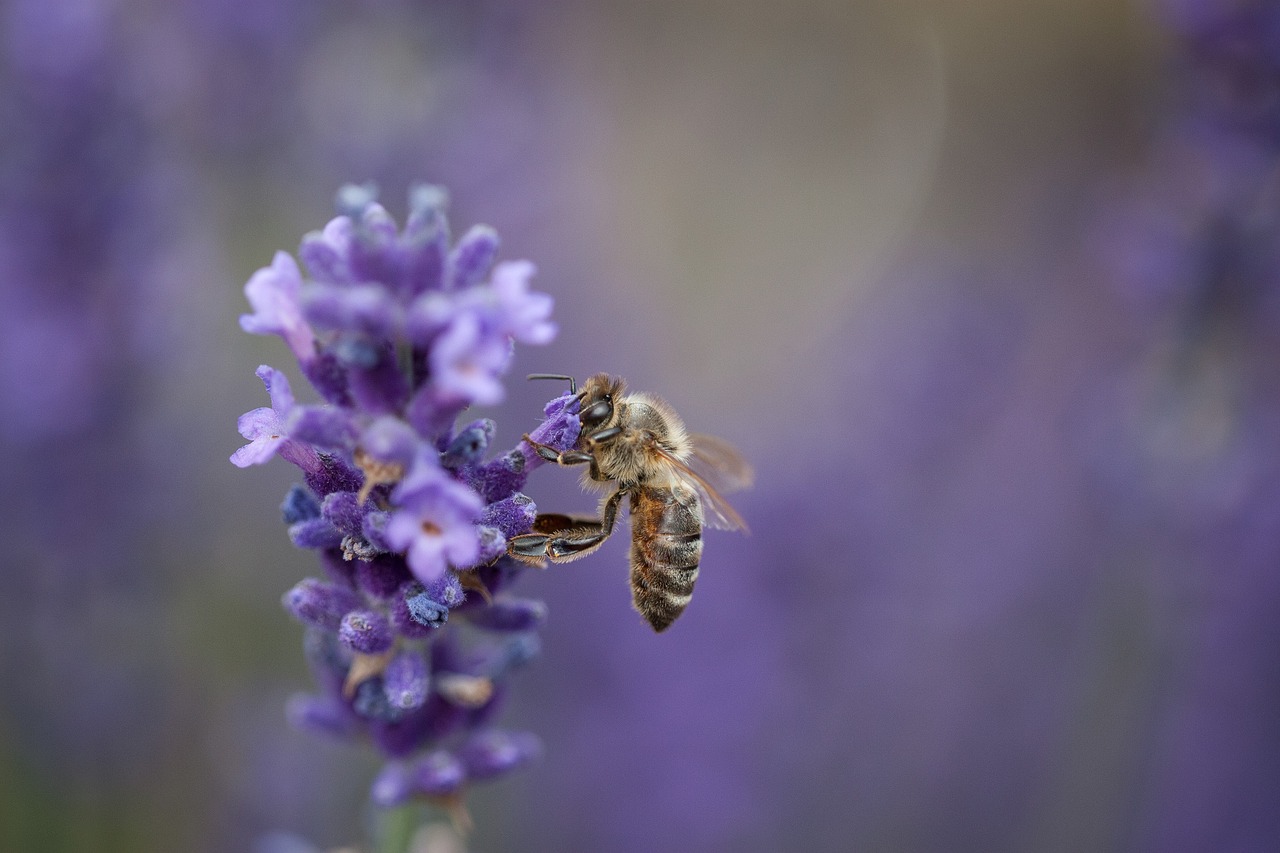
719 462
716 509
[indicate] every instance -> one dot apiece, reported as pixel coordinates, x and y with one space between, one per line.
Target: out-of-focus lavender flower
400 333
1196 231
1185 445
74 268
85 227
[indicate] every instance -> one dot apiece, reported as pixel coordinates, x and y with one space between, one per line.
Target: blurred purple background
989 292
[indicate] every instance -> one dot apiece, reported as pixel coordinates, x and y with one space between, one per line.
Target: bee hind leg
561 538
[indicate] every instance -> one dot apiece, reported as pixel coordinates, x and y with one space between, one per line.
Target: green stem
394 828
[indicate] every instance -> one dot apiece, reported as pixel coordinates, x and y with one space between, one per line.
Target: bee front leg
549 453
568 457
561 538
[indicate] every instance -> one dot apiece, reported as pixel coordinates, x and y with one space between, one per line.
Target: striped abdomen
666 546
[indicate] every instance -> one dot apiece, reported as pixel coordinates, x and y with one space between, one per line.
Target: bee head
599 394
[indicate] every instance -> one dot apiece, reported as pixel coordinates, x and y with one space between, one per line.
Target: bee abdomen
666 548
661 595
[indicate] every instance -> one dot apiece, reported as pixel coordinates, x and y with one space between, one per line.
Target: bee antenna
573 386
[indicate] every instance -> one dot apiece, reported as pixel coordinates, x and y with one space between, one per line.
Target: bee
637 446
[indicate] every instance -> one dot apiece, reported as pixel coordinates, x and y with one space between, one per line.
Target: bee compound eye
597 413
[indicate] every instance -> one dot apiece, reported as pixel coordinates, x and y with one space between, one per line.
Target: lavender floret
320 604
407 681
425 610
469 445
299 505
315 533
510 615
493 753
399 334
366 631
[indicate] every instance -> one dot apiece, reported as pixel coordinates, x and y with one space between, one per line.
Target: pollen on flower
376 472
400 333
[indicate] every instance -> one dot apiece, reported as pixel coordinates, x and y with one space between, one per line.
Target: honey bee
639 445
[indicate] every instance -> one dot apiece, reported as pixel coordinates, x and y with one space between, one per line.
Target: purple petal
510 615
365 308
366 631
526 314
315 533
512 515
428 315
560 430
325 252
425 553
426 241
258 451
380 387
500 478
260 423
472 257
469 445
438 774
321 714
277 388
493 753
466 363
273 293
389 439
393 786
344 511
407 680
381 577
375 253
319 603
323 426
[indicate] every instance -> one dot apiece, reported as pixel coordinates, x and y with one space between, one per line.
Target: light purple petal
425 473
259 422
472 257
325 252
265 426
278 387
427 315
389 439
462 546
366 308
434 521
273 293
257 451
323 426
467 363
426 558
526 314
401 529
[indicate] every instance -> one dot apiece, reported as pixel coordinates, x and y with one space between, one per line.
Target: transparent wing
715 509
718 462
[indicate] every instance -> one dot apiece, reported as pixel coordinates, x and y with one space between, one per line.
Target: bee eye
597 413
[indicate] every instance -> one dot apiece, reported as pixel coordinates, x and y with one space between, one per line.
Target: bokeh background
987 291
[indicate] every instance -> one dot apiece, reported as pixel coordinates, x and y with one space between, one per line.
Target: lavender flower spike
399 335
